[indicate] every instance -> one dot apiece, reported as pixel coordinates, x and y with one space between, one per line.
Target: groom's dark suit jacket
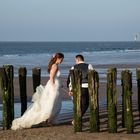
84 91
84 68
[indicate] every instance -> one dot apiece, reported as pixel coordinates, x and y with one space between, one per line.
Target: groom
84 67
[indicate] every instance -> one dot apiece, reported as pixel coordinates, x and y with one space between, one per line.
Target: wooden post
76 89
111 100
6 74
93 85
36 72
5 99
123 100
10 74
23 89
138 87
127 87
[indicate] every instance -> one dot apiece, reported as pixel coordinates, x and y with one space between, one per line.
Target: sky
69 20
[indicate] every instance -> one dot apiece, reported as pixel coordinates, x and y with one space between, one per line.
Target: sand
65 130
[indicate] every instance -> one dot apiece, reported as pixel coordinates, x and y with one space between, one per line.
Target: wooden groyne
6 80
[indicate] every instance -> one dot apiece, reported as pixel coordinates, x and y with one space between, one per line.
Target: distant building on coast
135 37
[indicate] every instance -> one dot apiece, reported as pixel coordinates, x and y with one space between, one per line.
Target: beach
102 55
65 130
105 33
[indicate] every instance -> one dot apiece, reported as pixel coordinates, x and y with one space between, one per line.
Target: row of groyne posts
7 86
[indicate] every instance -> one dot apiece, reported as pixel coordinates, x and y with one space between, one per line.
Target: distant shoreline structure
135 36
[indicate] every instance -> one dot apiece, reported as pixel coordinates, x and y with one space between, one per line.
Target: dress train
46 105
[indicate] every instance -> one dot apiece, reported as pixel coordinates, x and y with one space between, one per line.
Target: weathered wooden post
123 100
127 89
93 85
112 100
8 95
138 87
5 99
10 74
23 88
76 89
36 75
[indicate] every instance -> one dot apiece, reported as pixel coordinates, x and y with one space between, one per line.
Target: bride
46 100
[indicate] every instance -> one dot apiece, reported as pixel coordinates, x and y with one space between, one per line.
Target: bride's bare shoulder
54 67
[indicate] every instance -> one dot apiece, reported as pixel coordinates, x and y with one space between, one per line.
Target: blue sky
69 20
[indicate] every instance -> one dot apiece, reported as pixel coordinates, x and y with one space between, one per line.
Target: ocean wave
22 55
110 51
70 52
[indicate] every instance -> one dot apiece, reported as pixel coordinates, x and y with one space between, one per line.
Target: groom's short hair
79 56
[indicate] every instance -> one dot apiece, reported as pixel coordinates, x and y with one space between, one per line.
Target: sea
38 54
99 54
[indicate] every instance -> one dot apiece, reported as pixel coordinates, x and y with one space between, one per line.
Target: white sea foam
32 55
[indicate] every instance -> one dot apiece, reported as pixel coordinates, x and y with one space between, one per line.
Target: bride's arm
53 72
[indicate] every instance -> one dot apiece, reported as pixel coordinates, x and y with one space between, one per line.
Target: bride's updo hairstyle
53 60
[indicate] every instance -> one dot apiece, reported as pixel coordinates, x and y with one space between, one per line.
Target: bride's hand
70 93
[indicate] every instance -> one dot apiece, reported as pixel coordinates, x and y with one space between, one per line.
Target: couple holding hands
46 101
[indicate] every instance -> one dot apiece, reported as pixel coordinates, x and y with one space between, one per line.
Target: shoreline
98 67
29 92
119 66
64 90
63 80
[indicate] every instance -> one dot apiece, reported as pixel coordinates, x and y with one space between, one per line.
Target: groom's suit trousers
84 100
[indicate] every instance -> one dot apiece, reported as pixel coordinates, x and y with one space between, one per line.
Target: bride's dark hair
53 60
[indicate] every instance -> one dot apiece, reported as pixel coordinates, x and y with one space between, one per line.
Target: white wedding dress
46 106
